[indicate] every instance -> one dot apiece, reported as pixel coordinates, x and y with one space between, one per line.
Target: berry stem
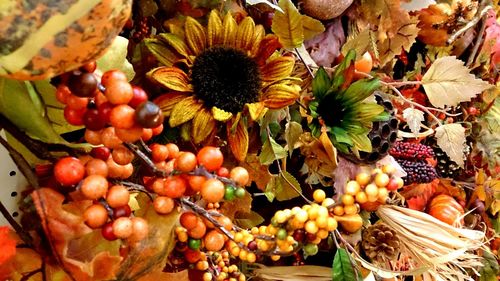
146 160
136 187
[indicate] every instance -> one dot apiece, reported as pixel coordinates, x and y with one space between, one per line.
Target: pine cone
380 242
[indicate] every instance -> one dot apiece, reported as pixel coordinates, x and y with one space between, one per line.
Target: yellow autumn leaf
311 27
288 26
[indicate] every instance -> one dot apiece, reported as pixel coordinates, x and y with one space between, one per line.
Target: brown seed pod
324 9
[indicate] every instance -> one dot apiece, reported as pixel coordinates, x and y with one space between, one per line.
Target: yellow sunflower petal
176 42
277 68
167 102
184 111
280 95
214 30
221 115
203 125
245 34
172 78
256 110
195 35
259 33
268 45
238 139
230 29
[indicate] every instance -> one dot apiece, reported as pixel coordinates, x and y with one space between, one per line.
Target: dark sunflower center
225 78
331 111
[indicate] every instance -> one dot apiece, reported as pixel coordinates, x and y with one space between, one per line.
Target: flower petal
267 47
256 110
161 52
259 33
195 35
280 95
221 115
238 140
230 29
184 111
277 68
215 29
176 42
167 102
172 78
203 125
245 34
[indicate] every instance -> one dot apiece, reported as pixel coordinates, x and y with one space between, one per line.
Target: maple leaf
63 225
417 195
258 173
394 27
432 31
448 82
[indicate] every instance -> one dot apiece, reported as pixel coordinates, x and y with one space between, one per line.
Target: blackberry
445 167
411 151
417 171
382 135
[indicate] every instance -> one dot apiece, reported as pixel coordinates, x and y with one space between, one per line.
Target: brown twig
146 160
477 44
304 62
16 226
469 25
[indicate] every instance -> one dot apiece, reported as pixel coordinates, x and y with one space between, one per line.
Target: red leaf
417 195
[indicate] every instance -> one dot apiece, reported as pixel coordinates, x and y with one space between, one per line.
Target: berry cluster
407 150
417 171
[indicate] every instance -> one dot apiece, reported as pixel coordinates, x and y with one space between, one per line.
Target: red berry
210 157
74 116
107 232
139 97
101 152
69 171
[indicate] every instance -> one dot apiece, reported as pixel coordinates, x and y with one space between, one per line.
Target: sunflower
227 73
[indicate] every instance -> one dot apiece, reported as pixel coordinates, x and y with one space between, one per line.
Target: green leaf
490 270
338 75
342 267
17 106
342 136
359 90
321 83
116 58
293 130
287 25
271 151
248 220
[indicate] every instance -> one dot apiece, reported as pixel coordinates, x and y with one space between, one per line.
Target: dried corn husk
294 273
445 250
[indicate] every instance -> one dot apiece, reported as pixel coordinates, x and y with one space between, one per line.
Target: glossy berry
94 187
229 193
163 205
240 192
74 116
240 176
107 232
95 216
139 97
83 85
194 244
122 211
69 171
101 152
148 115
210 157
112 75
92 120
122 227
117 196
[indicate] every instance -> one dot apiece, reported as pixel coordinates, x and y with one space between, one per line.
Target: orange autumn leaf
7 245
417 195
68 235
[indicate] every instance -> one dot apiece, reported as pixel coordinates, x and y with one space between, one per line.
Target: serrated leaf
311 27
414 118
448 82
282 187
116 58
342 267
248 220
451 139
255 2
287 25
271 151
293 130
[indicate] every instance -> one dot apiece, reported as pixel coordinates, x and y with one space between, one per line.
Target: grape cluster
407 150
417 171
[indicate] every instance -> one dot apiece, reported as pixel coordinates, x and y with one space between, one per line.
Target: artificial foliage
259 139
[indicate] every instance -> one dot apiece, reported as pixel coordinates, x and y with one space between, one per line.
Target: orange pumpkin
446 209
41 39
